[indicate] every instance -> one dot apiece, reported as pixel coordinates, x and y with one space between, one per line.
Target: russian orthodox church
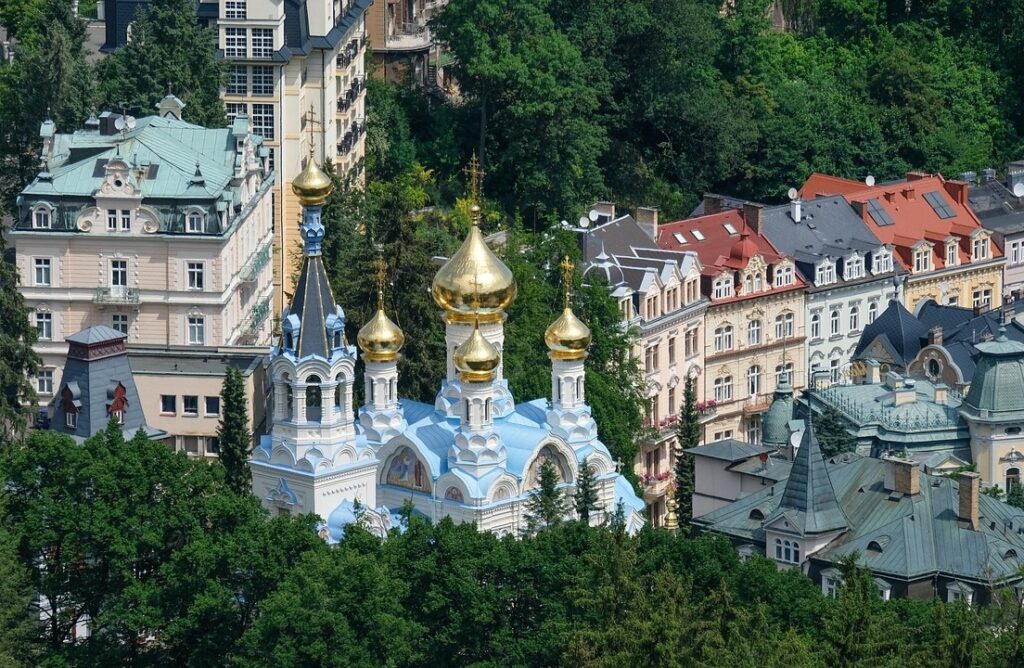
473 455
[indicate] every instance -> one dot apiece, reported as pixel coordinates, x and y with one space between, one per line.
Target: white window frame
815 326
185 407
754 380
980 247
194 222
42 271
1015 252
262 43
195 275
922 259
236 42
126 220
952 254
116 270
722 287
831 582
238 81
71 420
854 267
826 273
782 370
44 325
235 10
195 326
872 311
784 327
981 297
723 338
42 218
723 389
262 114
754 332
116 320
835 323
44 381
263 83
783 276
111 220
854 318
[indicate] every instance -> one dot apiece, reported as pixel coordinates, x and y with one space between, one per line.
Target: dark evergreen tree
688 434
19 363
16 615
1015 496
547 504
168 52
233 432
585 497
833 433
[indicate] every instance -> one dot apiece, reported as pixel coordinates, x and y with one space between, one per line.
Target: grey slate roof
312 303
996 207
899 328
809 502
96 334
918 536
729 450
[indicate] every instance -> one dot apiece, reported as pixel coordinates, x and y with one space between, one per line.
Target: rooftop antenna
869 181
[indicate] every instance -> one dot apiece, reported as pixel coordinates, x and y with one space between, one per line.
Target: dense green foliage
833 433
19 362
547 506
585 498
233 432
656 101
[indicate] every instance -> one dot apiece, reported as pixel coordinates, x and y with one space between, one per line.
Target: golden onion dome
476 359
474 283
380 339
312 186
567 337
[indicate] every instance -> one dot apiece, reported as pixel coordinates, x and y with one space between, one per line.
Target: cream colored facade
742 370
302 81
403 46
978 283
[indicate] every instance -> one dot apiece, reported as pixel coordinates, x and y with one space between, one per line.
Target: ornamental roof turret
997 389
380 339
775 426
567 337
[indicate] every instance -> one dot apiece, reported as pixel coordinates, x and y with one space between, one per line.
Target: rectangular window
111 220
981 249
262 42
71 420
672 350
212 445
754 430
1016 251
234 9
195 272
42 270
723 288
263 120
671 401
826 273
44 326
982 297
236 109
939 205
213 405
262 80
119 322
44 381
234 43
883 262
190 404
238 81
119 273
922 260
951 256
41 219
196 330
126 220
168 404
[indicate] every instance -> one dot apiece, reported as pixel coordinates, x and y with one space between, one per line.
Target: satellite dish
593 215
870 181
130 122
119 123
792 194
1018 190
584 221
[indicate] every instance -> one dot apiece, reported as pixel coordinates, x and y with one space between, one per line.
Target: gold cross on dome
476 178
381 275
311 121
567 267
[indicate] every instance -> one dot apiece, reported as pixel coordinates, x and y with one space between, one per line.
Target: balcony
408 37
118 294
251 271
655 484
254 323
349 97
348 53
351 137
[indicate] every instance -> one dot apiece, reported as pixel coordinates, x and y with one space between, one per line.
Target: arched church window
340 380
313 393
487 410
1012 477
454 494
337 339
579 388
392 390
372 386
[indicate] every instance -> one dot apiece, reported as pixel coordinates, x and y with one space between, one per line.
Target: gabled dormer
784 273
853 266
881 261
825 271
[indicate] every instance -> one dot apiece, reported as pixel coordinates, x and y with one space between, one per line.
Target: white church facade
474 455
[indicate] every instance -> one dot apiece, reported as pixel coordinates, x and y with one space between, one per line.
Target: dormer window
951 253
783 276
826 273
923 259
195 222
854 267
41 218
723 287
883 261
980 249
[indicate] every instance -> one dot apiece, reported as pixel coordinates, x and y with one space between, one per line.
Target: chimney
970 504
901 476
752 216
861 208
908 193
942 394
873 372
968 177
1014 174
712 203
957 190
795 206
605 211
917 176
904 395
647 218
988 174
935 336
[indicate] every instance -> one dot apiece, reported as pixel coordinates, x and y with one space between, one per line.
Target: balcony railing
251 271
346 99
351 137
117 294
412 35
348 53
254 323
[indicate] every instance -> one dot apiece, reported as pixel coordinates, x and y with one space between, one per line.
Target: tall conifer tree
585 497
689 437
235 437
547 505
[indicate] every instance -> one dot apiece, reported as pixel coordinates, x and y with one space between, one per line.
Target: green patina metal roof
809 502
904 536
998 383
775 425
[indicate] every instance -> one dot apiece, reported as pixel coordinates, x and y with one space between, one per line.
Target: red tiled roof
720 248
913 218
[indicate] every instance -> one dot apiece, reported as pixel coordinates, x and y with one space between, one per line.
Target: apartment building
297 71
158 229
999 204
403 47
660 298
754 334
936 237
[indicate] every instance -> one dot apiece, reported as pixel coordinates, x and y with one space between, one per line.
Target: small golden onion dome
567 337
474 283
312 186
476 359
380 339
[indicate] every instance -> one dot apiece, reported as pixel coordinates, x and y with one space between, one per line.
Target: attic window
874 546
879 214
756 515
938 204
698 235
679 237
729 228
1010 554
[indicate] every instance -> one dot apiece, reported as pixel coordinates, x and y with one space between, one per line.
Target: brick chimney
935 336
712 203
752 216
970 503
861 208
605 209
647 218
901 476
957 190
908 192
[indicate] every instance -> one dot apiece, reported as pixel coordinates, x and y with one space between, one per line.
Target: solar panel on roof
729 228
939 205
679 237
879 214
697 235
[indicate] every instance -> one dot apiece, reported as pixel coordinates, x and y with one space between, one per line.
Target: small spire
476 178
381 272
567 268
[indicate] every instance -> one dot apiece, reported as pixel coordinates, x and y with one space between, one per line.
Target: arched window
454 494
756 515
195 222
1012 477
796 552
754 380
815 326
723 388
854 319
787 551
778 549
340 380
754 332
41 218
314 398
872 312
834 323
